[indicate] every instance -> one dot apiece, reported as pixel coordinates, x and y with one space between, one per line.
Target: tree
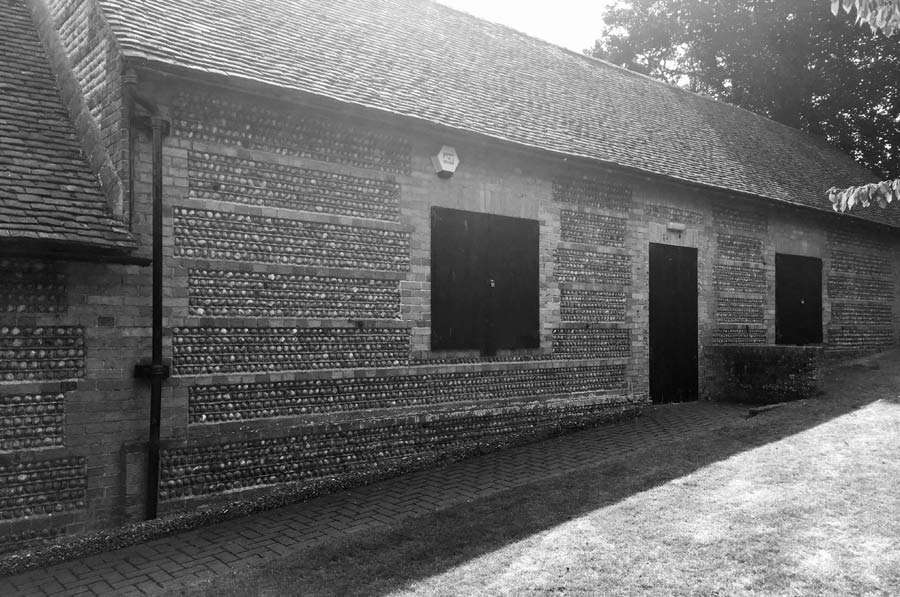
880 15
789 60
883 16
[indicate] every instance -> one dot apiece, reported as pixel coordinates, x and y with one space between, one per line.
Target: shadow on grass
392 558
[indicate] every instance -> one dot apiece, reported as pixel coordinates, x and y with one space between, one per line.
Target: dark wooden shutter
514 267
484 281
457 287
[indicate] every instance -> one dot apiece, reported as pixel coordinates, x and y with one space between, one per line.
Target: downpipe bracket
145 371
145 124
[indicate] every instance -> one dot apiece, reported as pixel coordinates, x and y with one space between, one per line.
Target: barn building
387 231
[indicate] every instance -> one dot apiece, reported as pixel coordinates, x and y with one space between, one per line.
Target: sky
573 24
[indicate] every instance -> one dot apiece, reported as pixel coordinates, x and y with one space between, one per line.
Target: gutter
156 371
25 249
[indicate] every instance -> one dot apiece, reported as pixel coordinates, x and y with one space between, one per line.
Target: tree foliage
883 16
789 60
880 194
879 15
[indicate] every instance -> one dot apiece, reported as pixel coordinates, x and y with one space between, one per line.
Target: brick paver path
172 563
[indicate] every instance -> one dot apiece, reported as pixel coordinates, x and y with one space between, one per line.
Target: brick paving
175 562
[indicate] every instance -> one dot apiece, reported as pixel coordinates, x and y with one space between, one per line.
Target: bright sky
574 24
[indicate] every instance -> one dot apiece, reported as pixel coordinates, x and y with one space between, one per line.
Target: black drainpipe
156 371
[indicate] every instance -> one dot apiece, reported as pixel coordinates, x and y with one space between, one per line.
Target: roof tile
44 178
420 59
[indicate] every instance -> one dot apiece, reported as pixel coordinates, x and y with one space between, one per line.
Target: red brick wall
71 414
291 226
70 334
285 225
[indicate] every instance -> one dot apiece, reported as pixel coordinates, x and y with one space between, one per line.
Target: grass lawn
800 500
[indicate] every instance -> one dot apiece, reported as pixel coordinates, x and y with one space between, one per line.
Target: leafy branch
879 193
880 15
884 16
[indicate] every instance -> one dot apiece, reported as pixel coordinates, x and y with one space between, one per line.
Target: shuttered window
484 281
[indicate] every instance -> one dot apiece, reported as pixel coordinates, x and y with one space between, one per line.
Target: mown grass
801 500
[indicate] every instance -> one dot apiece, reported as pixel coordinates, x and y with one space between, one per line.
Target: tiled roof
421 59
48 193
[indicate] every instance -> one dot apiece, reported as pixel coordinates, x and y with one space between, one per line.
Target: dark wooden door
798 300
673 323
